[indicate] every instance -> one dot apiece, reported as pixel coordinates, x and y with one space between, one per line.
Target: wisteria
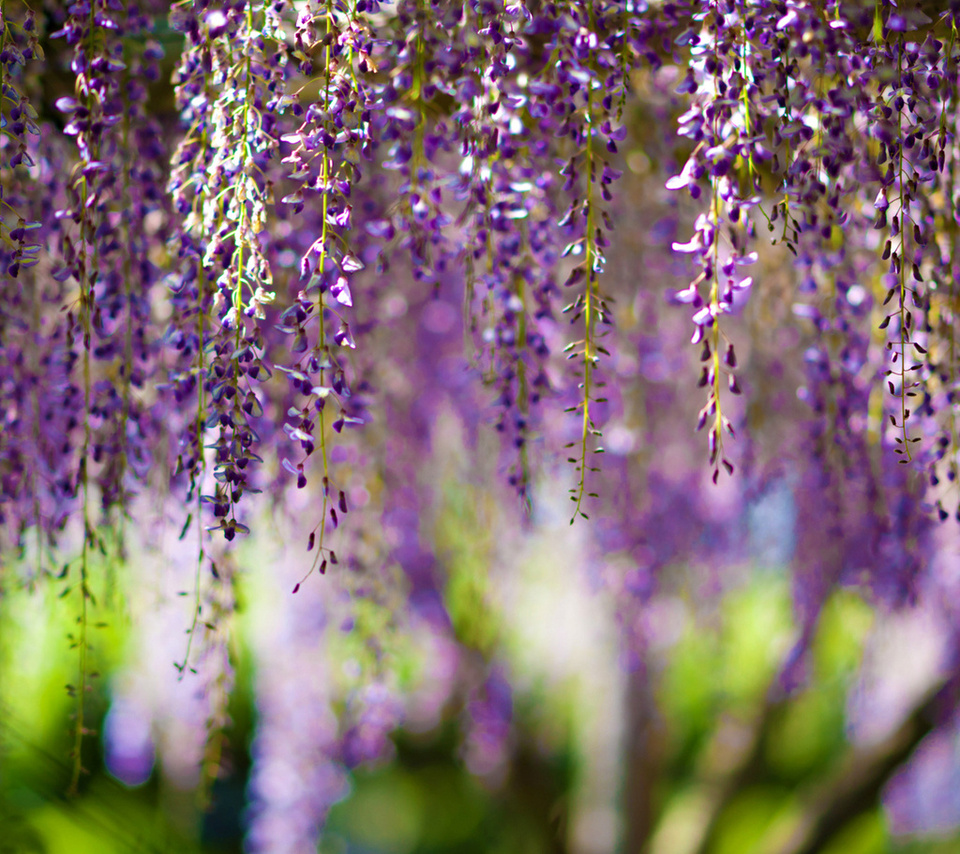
256 251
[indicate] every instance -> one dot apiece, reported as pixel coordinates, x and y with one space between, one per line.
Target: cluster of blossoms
26 194
507 245
222 252
231 82
18 46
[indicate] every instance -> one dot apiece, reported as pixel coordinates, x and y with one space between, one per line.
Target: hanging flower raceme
582 80
41 404
99 357
230 88
412 125
509 245
940 323
331 140
726 127
906 130
18 46
25 450
87 223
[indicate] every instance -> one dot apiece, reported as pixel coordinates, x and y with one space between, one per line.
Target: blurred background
519 727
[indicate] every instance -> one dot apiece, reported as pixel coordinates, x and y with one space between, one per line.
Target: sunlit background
523 729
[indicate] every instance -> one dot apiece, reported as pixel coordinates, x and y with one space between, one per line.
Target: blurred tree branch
855 787
828 805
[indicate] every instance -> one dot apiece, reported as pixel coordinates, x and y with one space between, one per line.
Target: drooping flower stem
589 358
904 314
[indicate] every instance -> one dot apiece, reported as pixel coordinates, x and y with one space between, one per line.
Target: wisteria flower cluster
243 242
